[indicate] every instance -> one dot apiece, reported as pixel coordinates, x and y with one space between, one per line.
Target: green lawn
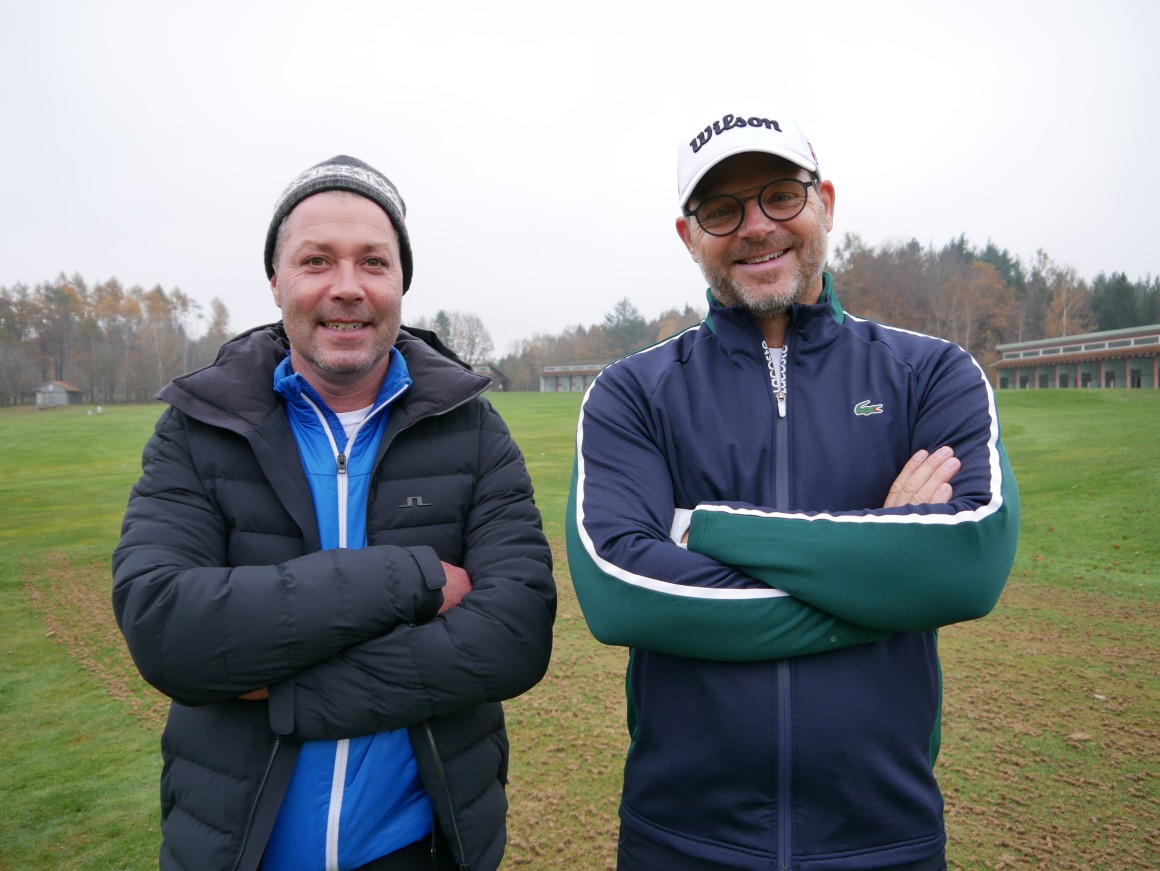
1050 748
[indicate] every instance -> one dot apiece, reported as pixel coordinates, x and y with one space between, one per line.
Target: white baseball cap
728 135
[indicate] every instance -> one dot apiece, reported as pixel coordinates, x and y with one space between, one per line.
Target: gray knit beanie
344 173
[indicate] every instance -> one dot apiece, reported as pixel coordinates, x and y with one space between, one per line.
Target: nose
346 285
754 221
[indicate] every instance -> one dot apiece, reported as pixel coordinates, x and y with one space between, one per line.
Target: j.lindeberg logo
729 122
415 502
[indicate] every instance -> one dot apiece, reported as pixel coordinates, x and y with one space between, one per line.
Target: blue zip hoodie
354 800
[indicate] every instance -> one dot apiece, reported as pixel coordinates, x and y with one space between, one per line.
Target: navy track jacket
783 686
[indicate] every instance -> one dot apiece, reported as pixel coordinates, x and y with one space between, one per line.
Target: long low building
574 378
1114 358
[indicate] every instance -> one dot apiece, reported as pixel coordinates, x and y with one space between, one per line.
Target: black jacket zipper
442 772
257 800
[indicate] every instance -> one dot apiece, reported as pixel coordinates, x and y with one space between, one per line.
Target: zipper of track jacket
779 383
777 374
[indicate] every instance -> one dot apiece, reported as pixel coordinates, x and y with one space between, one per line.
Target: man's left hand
925 479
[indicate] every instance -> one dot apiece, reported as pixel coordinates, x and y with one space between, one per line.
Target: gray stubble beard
813 260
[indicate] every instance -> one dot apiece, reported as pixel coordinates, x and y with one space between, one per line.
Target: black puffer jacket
220 588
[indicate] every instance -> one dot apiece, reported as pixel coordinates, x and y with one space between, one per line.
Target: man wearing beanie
333 565
776 510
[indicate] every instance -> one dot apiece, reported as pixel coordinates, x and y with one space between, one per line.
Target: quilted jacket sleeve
202 628
492 646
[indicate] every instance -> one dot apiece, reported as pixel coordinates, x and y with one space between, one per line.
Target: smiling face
765 266
339 283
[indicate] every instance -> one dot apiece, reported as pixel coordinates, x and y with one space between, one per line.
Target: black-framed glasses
781 200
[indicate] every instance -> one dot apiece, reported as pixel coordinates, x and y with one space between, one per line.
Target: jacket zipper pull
777 379
341 464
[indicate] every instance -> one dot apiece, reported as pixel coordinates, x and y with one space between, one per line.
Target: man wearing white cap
763 512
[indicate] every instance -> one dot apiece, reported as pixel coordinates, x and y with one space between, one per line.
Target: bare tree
469 338
462 332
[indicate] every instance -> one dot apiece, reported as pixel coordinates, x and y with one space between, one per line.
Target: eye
314 261
782 197
717 210
376 263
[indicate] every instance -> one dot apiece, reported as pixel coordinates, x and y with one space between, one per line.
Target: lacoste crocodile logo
415 502
864 407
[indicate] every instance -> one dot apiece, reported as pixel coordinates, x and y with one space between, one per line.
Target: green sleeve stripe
683 623
897 573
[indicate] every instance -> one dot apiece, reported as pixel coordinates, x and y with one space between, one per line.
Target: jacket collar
235 392
723 319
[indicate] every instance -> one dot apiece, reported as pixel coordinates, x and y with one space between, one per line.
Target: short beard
763 302
355 367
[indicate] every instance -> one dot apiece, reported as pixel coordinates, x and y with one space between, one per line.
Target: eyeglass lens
780 200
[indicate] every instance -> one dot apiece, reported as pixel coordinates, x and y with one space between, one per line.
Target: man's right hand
924 480
457 586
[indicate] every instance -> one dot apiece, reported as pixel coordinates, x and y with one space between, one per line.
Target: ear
686 234
274 290
826 194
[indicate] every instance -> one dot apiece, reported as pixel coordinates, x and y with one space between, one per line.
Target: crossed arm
457 585
924 480
353 623
626 600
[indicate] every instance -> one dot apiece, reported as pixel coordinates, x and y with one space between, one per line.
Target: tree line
983 297
122 345
114 344
978 298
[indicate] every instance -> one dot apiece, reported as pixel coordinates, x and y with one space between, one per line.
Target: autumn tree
219 322
1068 298
160 328
18 368
888 284
525 359
58 305
674 321
116 317
980 307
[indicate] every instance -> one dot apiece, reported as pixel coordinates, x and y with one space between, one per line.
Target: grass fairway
1051 746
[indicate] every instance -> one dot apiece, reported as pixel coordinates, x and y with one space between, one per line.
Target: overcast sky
535 142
